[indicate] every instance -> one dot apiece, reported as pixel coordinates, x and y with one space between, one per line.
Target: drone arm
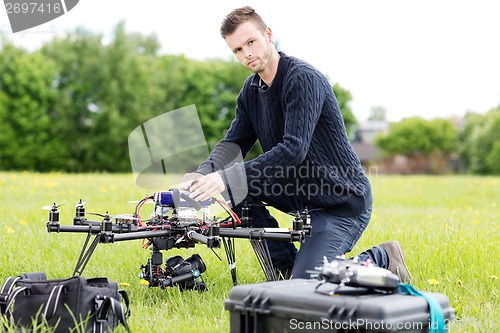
56 227
261 234
91 227
210 241
111 238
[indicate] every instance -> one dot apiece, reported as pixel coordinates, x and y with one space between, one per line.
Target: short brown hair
239 16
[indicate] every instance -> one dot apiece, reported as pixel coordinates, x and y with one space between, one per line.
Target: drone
177 221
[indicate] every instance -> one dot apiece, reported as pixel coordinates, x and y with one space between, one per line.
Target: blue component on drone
166 198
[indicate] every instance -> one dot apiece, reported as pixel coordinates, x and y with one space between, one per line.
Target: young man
307 159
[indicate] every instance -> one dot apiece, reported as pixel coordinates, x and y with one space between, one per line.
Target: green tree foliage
414 136
71 105
479 142
26 112
104 92
213 86
344 98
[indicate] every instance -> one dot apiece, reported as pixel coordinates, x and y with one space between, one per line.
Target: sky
424 58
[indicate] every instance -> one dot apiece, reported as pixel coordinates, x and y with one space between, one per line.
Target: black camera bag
72 304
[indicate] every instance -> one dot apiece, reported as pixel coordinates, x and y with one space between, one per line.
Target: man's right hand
188 179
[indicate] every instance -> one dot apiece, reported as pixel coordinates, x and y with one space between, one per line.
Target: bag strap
7 287
52 301
8 284
437 324
12 297
124 295
112 304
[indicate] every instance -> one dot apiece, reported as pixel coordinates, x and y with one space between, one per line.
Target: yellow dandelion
125 284
433 281
475 221
9 230
144 282
23 222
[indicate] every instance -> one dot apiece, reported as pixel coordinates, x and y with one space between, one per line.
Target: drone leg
85 254
263 255
231 257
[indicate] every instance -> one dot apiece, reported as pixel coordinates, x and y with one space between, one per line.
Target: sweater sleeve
303 94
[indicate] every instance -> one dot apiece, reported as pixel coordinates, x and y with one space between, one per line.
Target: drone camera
184 273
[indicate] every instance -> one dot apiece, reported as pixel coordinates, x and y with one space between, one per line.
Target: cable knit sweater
306 150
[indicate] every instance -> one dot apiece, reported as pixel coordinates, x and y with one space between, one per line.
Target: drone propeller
305 210
98 214
119 216
54 206
80 203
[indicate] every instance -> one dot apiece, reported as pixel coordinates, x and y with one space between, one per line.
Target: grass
448 226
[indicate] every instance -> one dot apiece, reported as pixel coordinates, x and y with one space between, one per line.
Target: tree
28 139
78 83
77 99
493 159
104 92
479 142
344 98
414 136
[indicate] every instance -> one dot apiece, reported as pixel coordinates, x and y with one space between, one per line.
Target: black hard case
297 306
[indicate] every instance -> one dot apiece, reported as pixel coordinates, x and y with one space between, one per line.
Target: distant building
368 130
364 140
372 159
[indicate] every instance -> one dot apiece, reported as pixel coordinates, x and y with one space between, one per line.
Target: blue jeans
331 236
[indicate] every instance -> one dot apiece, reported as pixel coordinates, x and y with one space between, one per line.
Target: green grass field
449 228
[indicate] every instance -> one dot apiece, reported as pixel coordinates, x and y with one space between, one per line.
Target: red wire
139 210
229 210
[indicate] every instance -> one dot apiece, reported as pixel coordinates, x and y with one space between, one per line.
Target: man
307 159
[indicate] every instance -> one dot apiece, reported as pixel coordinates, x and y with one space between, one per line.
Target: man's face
251 47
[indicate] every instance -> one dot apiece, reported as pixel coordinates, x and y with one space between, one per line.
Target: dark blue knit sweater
300 128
